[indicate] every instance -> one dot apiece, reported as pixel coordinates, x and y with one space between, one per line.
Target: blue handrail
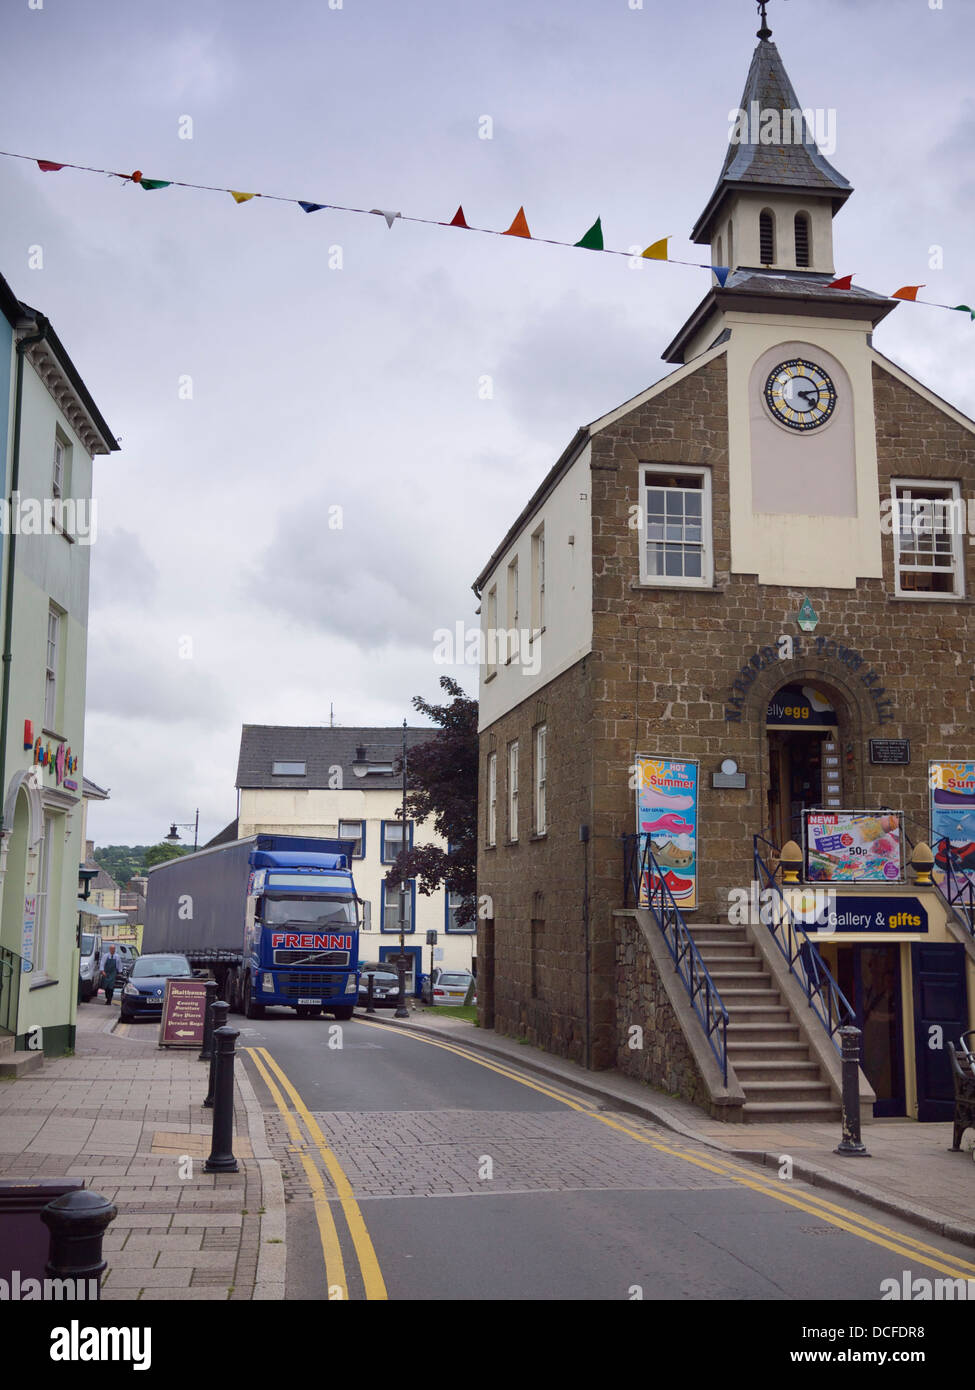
823 994
641 870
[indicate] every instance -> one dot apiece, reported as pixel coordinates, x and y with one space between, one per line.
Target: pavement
128 1118
911 1170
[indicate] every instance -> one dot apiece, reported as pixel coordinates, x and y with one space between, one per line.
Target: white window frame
900 492
52 661
541 825
284 767
538 580
390 903
405 839
492 799
359 836
513 791
648 473
58 478
511 593
491 630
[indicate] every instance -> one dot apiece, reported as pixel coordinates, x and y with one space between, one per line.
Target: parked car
449 987
385 989
145 989
88 971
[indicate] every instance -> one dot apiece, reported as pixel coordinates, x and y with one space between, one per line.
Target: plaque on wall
895 751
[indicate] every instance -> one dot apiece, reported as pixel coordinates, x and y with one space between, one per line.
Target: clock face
800 394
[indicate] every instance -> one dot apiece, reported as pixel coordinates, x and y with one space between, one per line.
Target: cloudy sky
220 592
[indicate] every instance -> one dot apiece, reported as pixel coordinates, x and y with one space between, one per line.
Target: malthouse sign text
799 648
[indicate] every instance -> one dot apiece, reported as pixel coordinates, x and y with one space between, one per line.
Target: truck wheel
251 1010
342 1011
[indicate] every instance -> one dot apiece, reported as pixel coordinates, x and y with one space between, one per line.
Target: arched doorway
807 728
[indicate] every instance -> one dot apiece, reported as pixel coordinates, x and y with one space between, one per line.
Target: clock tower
803 483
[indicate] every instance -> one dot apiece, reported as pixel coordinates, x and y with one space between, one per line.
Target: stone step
752 1051
769 1036
790 1091
726 977
17 1064
756 997
772 1112
7 1042
727 950
748 1070
714 936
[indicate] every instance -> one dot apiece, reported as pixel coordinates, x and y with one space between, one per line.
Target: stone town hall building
653 574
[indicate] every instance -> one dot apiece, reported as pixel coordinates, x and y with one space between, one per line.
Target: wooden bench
963 1074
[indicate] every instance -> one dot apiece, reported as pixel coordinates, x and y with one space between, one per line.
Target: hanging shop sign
27 940
803 648
666 811
57 758
852 846
952 804
800 706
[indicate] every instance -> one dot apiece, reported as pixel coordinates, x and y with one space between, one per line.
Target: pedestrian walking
109 973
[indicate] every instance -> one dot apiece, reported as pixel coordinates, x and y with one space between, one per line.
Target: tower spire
765 33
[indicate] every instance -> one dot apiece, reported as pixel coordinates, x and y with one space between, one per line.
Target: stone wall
663 1059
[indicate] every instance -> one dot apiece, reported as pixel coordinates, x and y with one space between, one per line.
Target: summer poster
953 817
666 810
853 846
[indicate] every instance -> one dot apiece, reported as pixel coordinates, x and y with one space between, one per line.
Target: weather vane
765 32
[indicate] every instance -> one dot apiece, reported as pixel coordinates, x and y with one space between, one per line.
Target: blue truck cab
301 946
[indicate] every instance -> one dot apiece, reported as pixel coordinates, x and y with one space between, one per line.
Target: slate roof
782 165
321 749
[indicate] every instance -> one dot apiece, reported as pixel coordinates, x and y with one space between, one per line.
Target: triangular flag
593 239
241 197
48 166
458 219
150 184
311 207
908 292
846 283
722 272
656 252
519 226
389 216
963 309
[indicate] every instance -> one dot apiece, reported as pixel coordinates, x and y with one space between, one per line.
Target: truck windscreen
318 912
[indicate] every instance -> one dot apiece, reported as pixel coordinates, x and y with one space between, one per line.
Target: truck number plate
310 1001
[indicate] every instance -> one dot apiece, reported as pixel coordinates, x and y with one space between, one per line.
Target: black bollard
77 1222
219 1010
206 1051
370 1006
851 1144
221 1158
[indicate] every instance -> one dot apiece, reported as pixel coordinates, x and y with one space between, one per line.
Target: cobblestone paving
427 1153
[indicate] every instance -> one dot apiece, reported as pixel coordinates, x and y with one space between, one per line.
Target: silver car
450 987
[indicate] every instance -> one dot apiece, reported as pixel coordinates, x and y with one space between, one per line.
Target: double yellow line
372 1278
872 1231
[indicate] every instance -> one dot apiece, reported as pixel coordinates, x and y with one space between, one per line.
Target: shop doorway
803 759
870 977
940 1017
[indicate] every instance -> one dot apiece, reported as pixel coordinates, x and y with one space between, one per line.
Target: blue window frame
393 829
390 905
354 830
451 902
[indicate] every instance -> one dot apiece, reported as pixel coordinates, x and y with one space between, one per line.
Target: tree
159 854
441 781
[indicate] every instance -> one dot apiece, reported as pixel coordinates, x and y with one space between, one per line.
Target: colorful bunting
519 226
593 239
656 252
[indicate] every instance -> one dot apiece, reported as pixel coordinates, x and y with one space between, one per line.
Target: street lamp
173 837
